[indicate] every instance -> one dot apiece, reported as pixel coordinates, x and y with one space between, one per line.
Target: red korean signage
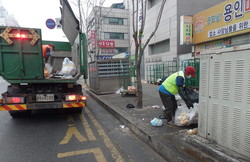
106 44
92 37
109 51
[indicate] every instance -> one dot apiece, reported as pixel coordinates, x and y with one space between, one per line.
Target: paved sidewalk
172 143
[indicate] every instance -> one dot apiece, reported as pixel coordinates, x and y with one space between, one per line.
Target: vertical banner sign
139 17
92 37
186 30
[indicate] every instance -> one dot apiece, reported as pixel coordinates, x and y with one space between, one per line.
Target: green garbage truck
23 67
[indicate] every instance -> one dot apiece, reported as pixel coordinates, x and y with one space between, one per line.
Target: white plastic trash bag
49 68
185 116
68 68
156 122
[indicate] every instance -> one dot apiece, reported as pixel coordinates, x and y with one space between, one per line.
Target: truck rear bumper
36 106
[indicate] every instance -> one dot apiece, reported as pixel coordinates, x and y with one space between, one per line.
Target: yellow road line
87 128
115 154
70 132
96 151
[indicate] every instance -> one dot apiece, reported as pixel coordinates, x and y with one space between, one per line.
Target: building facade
165 44
108 32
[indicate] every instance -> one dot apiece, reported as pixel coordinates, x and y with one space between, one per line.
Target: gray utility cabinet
106 76
224 111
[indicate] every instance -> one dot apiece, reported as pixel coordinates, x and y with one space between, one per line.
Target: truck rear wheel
19 114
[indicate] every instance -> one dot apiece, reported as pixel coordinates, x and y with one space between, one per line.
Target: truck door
20 53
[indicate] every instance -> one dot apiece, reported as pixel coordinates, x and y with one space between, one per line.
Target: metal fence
165 69
128 79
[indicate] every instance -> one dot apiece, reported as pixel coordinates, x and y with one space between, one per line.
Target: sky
34 13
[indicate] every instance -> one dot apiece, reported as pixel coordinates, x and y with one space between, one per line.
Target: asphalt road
51 136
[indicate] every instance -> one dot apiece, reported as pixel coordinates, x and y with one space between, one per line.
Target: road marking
70 132
87 128
115 154
96 151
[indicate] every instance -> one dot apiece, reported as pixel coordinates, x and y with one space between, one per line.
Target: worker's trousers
170 105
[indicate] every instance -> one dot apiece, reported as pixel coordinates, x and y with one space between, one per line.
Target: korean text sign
226 19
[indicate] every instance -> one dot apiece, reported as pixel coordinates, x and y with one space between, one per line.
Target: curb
124 117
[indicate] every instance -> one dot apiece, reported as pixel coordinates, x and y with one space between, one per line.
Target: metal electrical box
224 111
105 75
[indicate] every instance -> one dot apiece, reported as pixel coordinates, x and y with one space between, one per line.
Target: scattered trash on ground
131 90
122 126
185 116
156 122
163 108
156 106
192 131
129 106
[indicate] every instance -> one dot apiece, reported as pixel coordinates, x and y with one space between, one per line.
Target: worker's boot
171 122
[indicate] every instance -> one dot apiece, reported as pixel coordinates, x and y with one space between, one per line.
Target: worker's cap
190 70
53 46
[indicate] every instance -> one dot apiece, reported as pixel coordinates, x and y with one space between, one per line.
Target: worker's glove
183 93
189 104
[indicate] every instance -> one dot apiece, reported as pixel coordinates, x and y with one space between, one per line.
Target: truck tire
20 114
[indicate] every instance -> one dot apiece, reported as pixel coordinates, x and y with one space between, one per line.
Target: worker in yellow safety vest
173 85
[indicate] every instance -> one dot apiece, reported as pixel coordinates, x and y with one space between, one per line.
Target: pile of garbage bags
68 70
185 116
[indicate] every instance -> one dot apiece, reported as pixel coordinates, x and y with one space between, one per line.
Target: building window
115 36
159 47
114 21
151 3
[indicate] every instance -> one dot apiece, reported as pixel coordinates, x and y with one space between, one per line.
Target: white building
108 32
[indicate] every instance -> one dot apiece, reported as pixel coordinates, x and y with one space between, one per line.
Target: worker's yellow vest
170 83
